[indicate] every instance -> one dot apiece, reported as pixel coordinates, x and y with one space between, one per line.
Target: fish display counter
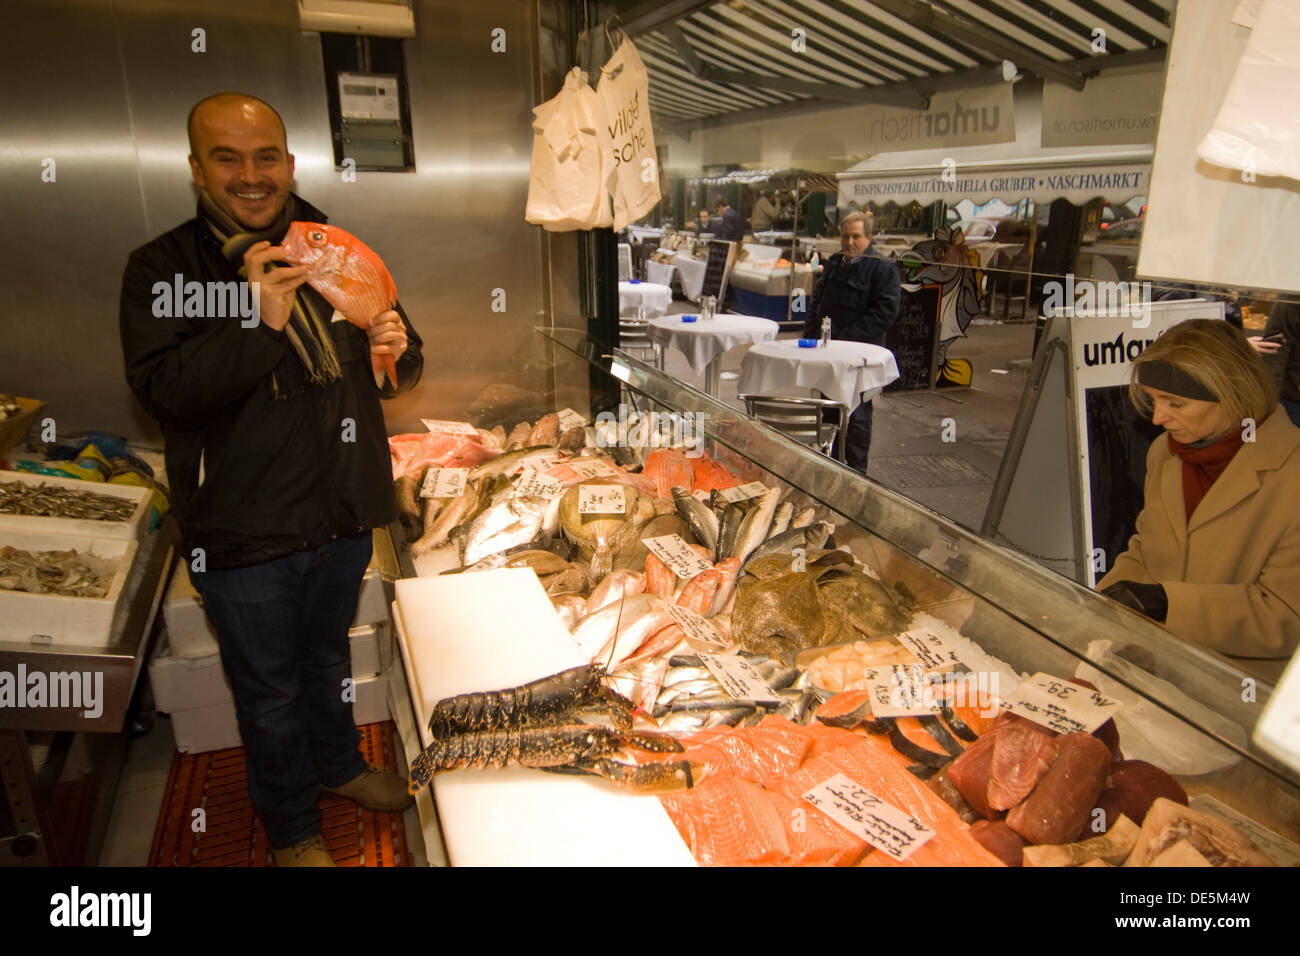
636 610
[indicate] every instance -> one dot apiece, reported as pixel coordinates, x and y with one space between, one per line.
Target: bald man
277 456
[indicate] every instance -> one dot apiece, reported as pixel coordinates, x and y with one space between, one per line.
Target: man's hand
387 334
276 285
1262 346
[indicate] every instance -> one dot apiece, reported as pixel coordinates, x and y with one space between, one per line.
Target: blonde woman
1216 556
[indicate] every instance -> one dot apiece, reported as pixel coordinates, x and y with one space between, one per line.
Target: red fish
349 275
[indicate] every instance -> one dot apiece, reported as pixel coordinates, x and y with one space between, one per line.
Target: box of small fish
41 504
61 589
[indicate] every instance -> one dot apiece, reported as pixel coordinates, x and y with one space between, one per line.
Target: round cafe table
655 297
846 372
703 343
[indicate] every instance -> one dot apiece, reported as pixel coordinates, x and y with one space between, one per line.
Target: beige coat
1232 573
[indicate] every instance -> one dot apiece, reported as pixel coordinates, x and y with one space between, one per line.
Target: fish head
314 245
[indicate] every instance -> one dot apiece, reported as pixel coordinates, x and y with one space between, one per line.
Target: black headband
1168 377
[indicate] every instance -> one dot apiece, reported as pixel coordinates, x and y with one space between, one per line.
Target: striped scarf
307 332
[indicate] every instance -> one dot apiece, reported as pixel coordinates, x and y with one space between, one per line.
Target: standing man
730 223
278 460
860 292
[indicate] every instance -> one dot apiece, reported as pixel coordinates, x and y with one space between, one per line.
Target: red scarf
1202 466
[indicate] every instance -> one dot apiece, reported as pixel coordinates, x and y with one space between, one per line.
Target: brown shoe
380 790
307 853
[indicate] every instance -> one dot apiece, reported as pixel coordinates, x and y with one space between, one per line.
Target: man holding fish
276 452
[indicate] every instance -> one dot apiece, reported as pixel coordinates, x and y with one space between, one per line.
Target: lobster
563 748
548 700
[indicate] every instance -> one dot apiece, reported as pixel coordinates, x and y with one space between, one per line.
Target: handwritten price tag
673 551
933 652
444 482
450 428
900 690
739 678
697 628
1061 706
601 500
591 467
866 816
741 492
1282 850
534 483
570 419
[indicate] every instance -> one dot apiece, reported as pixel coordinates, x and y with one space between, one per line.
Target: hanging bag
571 165
624 91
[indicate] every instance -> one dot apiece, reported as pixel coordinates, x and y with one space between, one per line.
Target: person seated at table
729 223
860 292
1216 555
765 211
704 224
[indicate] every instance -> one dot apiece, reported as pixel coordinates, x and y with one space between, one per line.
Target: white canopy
1001 171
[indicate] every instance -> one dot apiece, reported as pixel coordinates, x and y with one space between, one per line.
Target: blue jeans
282 627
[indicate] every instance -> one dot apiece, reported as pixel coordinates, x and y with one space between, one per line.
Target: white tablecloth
655 297
701 342
847 372
691 272
660 273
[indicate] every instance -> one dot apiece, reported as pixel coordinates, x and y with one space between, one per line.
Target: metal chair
634 339
816 422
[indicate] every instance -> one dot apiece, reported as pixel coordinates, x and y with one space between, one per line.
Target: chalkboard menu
718 268
1118 438
911 338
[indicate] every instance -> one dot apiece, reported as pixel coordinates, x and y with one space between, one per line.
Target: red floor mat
234 836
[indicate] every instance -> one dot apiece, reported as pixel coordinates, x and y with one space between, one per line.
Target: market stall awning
805 181
714 58
1116 175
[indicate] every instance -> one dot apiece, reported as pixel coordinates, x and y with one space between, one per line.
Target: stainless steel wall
103 88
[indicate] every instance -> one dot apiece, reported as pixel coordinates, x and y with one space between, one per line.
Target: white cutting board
493 629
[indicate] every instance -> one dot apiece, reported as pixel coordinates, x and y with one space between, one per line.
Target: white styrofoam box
364 640
189 632
132 529
46 619
377 585
200 729
184 683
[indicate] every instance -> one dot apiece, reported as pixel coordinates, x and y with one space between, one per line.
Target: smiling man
277 456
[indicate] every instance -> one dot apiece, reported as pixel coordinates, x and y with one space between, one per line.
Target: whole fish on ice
350 276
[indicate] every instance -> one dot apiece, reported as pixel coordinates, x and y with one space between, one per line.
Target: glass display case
1184 709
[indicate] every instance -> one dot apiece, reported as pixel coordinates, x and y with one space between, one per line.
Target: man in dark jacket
727 223
277 456
1279 347
860 292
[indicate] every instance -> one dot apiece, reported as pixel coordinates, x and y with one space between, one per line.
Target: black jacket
1285 362
861 296
281 474
730 227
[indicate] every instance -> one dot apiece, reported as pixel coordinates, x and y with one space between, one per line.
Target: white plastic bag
1258 126
568 186
624 92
